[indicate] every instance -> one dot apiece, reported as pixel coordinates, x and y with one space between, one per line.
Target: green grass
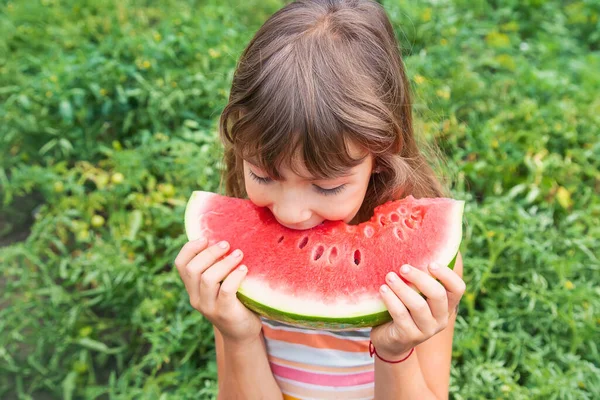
110 109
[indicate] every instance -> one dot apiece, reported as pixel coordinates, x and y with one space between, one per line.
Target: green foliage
108 122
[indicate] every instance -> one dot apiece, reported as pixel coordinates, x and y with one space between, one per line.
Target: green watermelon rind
315 322
320 322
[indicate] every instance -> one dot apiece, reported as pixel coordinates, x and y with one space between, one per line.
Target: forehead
296 165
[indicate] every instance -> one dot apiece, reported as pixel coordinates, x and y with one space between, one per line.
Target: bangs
325 155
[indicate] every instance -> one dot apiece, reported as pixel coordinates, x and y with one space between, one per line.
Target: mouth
299 227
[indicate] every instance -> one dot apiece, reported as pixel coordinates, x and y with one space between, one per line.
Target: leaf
66 111
68 385
97 346
135 222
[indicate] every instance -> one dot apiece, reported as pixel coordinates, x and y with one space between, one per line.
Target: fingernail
237 253
392 277
384 288
223 245
201 239
434 266
243 268
405 269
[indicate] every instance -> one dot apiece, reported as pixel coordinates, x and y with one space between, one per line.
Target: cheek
342 209
257 194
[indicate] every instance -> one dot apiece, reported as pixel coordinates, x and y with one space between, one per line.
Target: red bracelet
373 351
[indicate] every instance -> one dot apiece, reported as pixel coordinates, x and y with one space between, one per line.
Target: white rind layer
449 250
196 205
281 299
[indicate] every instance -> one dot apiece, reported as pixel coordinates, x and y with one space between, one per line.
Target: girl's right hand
212 287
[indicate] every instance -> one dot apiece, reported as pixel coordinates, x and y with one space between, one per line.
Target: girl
318 127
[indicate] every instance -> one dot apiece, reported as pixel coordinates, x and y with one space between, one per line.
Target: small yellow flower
174 84
146 64
157 36
49 94
83 235
490 234
564 198
497 39
569 285
97 221
167 189
419 79
495 143
117 178
160 136
443 42
103 92
59 187
426 15
443 93
86 331
213 53
54 78
506 61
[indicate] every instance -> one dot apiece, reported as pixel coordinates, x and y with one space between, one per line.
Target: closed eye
260 179
330 192
326 192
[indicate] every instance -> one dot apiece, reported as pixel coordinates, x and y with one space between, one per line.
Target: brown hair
315 76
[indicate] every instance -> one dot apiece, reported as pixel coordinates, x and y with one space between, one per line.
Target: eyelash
259 179
325 192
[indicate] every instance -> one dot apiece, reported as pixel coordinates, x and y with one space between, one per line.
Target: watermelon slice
327 277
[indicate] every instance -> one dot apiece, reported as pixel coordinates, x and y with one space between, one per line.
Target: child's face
299 202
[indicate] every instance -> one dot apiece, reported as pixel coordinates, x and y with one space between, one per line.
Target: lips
298 227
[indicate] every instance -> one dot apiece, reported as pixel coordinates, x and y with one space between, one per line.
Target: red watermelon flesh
328 276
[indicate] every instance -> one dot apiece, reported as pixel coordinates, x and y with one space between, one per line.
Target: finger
231 284
416 304
206 259
402 318
194 269
434 291
188 252
210 281
453 283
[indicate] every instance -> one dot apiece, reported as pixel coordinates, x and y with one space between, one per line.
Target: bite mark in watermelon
327 277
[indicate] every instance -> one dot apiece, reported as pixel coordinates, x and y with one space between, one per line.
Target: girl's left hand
416 319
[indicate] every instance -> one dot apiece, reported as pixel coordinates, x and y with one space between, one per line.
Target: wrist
241 345
391 357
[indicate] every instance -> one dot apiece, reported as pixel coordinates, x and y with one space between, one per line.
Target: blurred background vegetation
108 118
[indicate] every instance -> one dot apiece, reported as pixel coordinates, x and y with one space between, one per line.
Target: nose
291 212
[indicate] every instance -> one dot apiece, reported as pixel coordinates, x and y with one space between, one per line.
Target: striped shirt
319 364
